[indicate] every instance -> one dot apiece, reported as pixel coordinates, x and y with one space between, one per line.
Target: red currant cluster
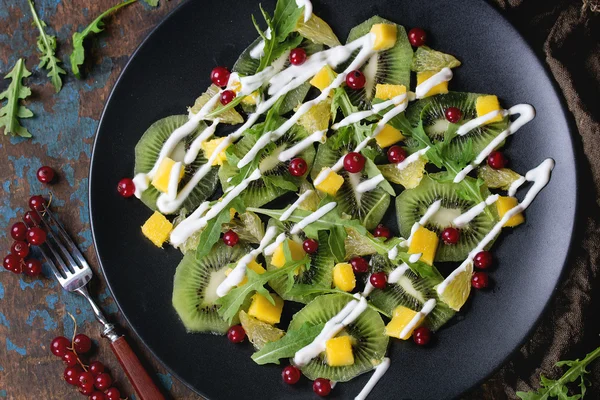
91 379
26 234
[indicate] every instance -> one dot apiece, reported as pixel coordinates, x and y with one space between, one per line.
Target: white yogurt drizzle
270 249
473 212
414 257
397 273
196 146
348 315
313 217
540 176
479 121
368 287
412 158
194 222
393 253
369 184
380 370
443 76
318 136
239 272
287 213
427 308
377 108
307 8
512 190
431 210
526 114
259 50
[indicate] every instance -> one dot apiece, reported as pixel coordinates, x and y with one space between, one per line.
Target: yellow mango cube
262 309
401 317
157 228
323 78
331 184
384 91
437 89
278 259
163 175
385 36
487 104
339 351
343 277
425 242
209 148
388 136
504 204
251 99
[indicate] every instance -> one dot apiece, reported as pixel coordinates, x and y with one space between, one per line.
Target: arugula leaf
419 267
78 55
280 182
288 345
286 15
212 231
12 111
152 3
337 236
231 303
558 389
47 46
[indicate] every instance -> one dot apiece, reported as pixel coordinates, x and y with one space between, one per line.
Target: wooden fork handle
139 378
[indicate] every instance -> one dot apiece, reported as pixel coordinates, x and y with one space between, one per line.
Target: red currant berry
126 187
298 167
36 236
496 160
297 56
45 174
20 249
96 368
359 265
310 246
103 381
480 280
33 267
113 394
382 231
230 238
290 375
354 162
483 259
450 235
453 114
322 387
422 336
71 374
356 80
220 76
236 334
31 218
378 280
70 359
11 262
82 343
18 231
59 346
417 37
87 389
396 154
37 203
227 96
86 378
97 396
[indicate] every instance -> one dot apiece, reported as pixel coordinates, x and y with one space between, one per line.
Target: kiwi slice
390 66
412 204
369 344
367 207
276 179
147 151
411 291
431 110
195 287
319 275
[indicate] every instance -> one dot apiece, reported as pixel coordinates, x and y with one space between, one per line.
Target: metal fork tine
61 263
67 239
49 261
51 234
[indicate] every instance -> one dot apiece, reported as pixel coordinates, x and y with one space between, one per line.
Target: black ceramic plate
172 67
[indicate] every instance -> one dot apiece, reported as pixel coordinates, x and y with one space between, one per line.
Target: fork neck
108 329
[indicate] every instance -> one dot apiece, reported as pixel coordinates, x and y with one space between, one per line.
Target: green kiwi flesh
148 148
412 204
411 291
195 285
369 344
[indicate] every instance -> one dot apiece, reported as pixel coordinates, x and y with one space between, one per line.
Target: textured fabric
567 34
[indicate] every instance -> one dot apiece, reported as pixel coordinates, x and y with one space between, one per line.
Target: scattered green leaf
212 231
12 111
288 345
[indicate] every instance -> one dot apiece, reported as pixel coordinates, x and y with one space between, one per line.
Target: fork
73 273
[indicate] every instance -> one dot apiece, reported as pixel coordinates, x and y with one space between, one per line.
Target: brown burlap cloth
567 34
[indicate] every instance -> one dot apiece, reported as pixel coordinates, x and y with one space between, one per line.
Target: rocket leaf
12 111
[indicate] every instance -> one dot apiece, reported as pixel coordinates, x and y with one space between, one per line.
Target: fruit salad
313 172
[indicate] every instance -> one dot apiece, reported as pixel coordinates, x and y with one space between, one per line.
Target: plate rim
576 225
